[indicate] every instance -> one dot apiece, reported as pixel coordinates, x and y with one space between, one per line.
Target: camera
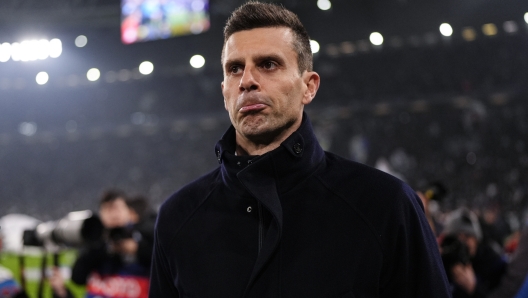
453 252
121 233
74 229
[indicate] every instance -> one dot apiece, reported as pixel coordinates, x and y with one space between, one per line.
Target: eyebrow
258 59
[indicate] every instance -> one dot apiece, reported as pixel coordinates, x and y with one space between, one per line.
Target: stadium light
15 51
446 30
30 50
5 52
489 29
27 128
43 47
510 27
81 41
526 17
376 38
55 48
42 78
314 45
146 68
469 34
93 74
197 61
324 4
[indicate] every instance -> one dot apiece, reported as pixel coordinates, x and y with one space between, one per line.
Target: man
474 268
280 217
117 265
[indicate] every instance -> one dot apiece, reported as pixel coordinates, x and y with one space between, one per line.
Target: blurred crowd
484 254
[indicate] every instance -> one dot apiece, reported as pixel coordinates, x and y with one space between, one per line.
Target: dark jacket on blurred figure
489 267
108 275
294 222
516 272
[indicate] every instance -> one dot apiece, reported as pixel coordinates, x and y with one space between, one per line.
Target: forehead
259 41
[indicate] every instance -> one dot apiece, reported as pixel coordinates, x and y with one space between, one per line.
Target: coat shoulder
381 199
363 181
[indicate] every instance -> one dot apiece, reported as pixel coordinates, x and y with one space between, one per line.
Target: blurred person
516 275
9 287
111 267
430 196
494 227
280 217
143 219
473 267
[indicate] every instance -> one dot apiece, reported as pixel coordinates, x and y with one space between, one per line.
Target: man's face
114 214
263 90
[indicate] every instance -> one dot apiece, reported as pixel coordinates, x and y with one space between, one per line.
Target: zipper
261 227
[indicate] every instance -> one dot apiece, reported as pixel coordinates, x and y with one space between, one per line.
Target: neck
262 144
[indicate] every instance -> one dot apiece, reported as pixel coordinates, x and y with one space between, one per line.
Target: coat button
297 148
218 156
249 209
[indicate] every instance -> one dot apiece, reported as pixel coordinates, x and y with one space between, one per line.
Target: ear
312 81
222 86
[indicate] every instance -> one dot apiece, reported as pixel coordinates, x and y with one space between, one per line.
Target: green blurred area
34 262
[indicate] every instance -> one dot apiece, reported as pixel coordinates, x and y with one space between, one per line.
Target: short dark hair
139 204
112 195
254 15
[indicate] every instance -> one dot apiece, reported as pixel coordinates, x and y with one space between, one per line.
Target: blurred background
430 90
107 93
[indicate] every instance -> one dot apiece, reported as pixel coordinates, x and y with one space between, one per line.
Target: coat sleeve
161 277
412 266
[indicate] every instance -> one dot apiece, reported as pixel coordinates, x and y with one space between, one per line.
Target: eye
269 65
234 69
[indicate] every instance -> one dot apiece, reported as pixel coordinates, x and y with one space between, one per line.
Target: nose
248 81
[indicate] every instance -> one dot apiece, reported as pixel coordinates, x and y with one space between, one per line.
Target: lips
252 108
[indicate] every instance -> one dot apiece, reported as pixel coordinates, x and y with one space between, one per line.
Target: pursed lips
251 105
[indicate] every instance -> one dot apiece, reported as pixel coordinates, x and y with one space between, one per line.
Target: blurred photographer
472 266
9 287
115 266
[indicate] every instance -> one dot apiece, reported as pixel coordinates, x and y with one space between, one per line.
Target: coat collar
289 164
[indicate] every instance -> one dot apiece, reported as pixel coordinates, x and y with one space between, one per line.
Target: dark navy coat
294 222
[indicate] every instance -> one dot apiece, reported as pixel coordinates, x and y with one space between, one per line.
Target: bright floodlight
29 50
376 38
5 52
197 61
526 17
314 45
15 51
55 48
446 29
42 78
146 67
43 49
93 74
81 41
324 4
